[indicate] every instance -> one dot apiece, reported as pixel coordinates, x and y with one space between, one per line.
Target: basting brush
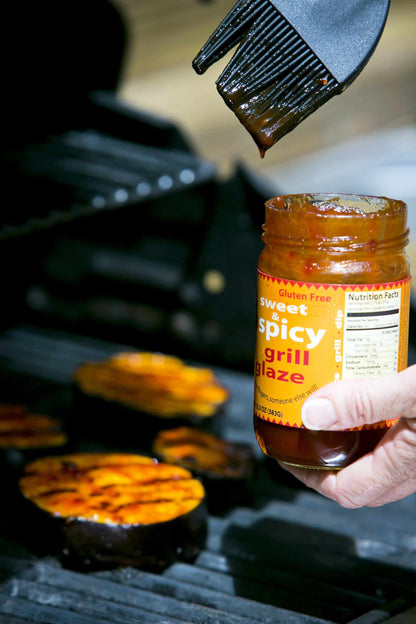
293 56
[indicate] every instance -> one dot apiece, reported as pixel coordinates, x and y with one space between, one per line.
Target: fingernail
318 414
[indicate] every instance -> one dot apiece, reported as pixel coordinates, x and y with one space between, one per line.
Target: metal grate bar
373 617
355 523
358 527
92 604
192 587
45 356
148 597
408 617
383 615
28 611
9 619
305 551
275 586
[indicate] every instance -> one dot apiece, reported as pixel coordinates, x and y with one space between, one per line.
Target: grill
111 226
291 557
85 172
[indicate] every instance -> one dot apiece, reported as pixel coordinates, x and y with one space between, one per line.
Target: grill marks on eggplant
111 488
204 453
153 383
86 461
20 429
226 468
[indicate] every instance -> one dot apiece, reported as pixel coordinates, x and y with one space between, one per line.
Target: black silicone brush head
276 78
231 30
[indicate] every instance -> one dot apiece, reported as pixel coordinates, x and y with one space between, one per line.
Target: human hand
389 472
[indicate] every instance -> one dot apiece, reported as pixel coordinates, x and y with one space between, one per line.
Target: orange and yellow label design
309 335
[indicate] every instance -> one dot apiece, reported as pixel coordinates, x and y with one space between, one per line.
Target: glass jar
333 303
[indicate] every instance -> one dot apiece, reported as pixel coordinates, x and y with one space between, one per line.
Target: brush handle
343 35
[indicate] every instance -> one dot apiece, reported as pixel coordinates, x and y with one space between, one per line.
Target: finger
355 402
384 476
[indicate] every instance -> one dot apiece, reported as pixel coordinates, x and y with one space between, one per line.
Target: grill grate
291 558
81 173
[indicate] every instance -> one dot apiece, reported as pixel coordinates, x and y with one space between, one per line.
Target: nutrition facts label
371 333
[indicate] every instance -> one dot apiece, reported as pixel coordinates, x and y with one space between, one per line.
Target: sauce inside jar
332 271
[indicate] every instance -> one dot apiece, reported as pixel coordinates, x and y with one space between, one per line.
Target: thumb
355 402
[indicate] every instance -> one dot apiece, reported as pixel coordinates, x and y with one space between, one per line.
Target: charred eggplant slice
112 509
20 429
25 436
226 468
148 392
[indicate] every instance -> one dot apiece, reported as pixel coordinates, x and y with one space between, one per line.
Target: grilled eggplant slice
25 436
226 468
147 392
112 509
22 430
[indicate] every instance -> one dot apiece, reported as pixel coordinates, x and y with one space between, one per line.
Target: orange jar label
309 335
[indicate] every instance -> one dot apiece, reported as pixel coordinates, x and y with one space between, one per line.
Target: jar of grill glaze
333 303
